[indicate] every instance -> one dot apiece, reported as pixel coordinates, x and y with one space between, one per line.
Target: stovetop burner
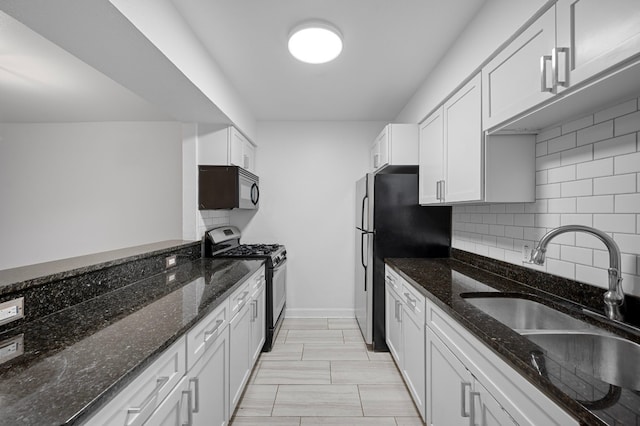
253 250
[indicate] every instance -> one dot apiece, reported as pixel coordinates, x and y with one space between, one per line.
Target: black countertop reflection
77 359
588 399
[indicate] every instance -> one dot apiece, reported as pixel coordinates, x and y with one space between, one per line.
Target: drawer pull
209 333
147 403
196 391
411 301
472 408
189 412
463 398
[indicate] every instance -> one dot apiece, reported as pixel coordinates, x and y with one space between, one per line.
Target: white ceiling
40 82
389 48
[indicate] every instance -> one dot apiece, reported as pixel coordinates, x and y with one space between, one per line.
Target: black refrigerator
391 223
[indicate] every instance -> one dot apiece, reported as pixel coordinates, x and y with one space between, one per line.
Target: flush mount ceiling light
315 42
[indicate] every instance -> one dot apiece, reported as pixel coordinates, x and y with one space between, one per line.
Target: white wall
588 173
69 189
307 175
496 22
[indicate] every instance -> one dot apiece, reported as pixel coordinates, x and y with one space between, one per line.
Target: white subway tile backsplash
561 268
561 174
627 203
614 184
585 176
576 188
617 146
548 161
629 243
596 168
576 219
616 111
562 143
595 204
580 255
627 124
562 205
551 190
596 133
577 155
578 124
615 222
629 163
549 133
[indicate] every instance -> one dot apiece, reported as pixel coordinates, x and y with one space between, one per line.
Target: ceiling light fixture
315 42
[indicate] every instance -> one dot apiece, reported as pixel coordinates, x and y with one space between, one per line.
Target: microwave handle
257 194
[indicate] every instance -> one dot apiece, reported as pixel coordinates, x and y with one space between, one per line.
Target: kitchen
330 155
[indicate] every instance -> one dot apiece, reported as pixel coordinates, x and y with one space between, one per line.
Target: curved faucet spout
614 297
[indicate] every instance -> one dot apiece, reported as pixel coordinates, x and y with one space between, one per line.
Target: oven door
279 291
248 192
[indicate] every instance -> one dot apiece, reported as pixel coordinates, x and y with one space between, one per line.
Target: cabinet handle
412 302
463 398
399 304
254 307
555 67
472 408
146 404
543 73
376 160
196 391
438 190
189 412
209 333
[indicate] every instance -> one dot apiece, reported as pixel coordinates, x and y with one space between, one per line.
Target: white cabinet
396 145
393 316
226 146
174 410
465 378
512 81
258 315
404 322
459 165
594 35
135 404
572 45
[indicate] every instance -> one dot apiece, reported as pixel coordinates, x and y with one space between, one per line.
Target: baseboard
319 313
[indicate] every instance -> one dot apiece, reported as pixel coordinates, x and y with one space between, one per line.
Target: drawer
392 279
258 279
239 298
137 401
414 302
206 331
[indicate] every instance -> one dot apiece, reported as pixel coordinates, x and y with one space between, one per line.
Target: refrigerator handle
362 246
366 197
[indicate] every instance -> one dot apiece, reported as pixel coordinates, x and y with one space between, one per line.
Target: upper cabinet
574 45
226 146
459 165
396 145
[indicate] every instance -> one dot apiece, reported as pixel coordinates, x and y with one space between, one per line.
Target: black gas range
225 242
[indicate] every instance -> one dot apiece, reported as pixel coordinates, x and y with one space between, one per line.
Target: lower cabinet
393 323
200 378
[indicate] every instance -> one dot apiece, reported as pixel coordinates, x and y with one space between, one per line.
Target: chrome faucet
614 297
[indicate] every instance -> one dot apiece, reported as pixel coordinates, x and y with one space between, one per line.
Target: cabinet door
240 353
431 160
249 156
463 178
393 324
598 34
174 410
413 344
209 383
512 81
236 147
448 386
485 410
384 147
258 323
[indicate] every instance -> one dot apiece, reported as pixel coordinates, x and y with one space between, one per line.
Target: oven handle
280 265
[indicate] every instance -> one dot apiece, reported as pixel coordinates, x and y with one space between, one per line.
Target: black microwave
227 187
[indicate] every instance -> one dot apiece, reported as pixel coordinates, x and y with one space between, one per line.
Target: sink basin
610 359
524 314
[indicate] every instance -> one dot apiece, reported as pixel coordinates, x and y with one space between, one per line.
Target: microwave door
248 193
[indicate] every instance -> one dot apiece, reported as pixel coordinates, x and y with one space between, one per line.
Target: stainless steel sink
524 314
608 358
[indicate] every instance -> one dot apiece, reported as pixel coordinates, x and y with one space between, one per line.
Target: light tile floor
321 373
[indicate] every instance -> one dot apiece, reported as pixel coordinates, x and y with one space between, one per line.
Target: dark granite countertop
443 281
75 360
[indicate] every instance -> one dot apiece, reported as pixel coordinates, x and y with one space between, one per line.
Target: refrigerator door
364 258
